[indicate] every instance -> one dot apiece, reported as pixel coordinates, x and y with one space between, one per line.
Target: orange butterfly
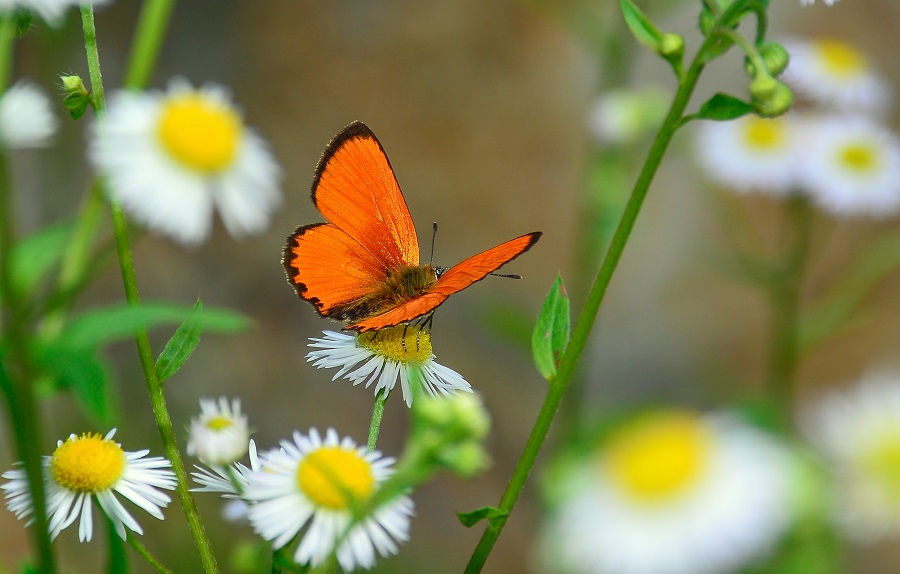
363 267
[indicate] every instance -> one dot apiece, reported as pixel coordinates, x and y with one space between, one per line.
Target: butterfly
362 266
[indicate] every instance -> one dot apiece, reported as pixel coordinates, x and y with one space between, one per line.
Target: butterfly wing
336 265
455 279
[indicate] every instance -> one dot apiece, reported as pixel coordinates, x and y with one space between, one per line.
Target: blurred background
482 108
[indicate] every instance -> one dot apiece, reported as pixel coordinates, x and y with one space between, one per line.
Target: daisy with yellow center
171 158
752 153
322 485
834 73
26 117
851 166
385 356
858 433
219 436
88 467
671 492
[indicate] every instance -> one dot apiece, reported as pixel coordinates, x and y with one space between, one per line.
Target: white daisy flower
858 432
230 482
170 158
851 166
752 153
836 74
219 436
51 11
26 117
93 467
672 493
382 357
319 484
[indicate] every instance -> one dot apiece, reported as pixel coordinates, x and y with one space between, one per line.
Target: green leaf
35 256
551 332
641 26
118 322
723 107
181 345
470 519
79 371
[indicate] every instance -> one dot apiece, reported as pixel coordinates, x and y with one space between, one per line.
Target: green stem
145 554
585 322
145 353
154 21
784 298
377 414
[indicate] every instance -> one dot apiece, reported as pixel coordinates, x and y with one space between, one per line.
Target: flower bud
449 431
77 98
671 47
775 57
770 97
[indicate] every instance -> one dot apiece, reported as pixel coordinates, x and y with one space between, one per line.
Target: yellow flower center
658 456
335 478
87 463
219 423
200 133
764 134
840 59
859 157
880 463
403 343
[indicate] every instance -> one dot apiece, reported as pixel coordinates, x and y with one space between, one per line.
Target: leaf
117 322
641 26
79 371
723 107
470 519
33 257
181 345
551 331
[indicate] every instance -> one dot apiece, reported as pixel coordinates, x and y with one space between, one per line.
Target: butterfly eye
438 271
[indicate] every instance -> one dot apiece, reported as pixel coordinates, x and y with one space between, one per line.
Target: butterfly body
362 266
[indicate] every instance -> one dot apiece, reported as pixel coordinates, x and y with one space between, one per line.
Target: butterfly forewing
453 280
355 189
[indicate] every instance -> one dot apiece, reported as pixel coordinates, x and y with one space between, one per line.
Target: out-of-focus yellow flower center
403 343
881 464
840 59
335 478
219 423
658 456
200 133
87 463
764 134
859 157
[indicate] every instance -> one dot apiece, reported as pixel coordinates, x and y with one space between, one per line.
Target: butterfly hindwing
455 279
356 190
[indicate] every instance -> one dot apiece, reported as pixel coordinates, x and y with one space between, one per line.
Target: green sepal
182 344
722 108
117 322
470 519
551 331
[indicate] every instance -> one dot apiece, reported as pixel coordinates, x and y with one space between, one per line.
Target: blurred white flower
219 436
752 153
811 2
51 11
858 433
672 492
170 158
851 166
834 73
26 117
622 115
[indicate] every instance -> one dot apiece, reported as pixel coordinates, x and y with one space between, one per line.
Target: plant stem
784 298
152 25
375 426
585 322
145 554
145 353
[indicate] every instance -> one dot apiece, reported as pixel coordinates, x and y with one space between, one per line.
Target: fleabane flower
752 153
26 117
858 433
385 356
834 73
230 481
88 467
219 436
51 11
171 158
671 492
851 166
321 484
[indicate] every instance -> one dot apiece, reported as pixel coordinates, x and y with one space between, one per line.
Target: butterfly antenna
510 276
433 235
